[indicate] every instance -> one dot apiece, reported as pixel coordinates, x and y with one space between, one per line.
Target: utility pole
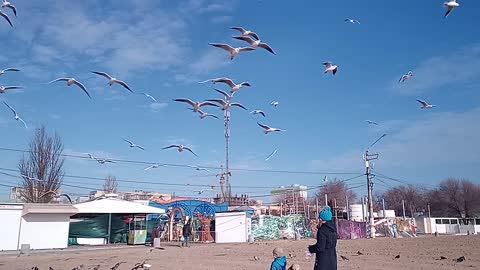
347 207
326 199
403 208
363 209
227 161
316 204
429 213
369 157
383 206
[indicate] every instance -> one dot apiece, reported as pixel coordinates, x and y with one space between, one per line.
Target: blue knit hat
326 214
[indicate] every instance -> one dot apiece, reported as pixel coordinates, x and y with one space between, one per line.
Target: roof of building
115 206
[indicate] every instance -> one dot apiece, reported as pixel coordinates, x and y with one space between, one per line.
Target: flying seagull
406 76
226 104
6 4
258 112
233 51
271 155
16 115
100 160
330 67
199 168
195 105
2 71
371 122
256 43
245 33
274 103
71 81
180 148
5 88
57 195
6 18
112 80
268 129
132 145
234 87
450 5
225 94
204 114
149 96
381 137
154 166
425 105
354 21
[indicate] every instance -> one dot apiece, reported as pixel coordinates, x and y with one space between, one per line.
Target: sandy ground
418 253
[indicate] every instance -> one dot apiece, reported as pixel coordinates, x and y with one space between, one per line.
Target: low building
292 198
232 227
39 226
137 195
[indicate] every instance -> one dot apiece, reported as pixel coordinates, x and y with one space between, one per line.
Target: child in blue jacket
280 261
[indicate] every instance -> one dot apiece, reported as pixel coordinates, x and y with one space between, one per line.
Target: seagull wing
423 102
13 87
140 147
335 71
6 18
102 74
11 69
12 109
171 146
247 39
185 100
220 101
227 96
212 115
246 49
148 168
263 126
83 87
224 80
190 150
130 142
226 47
238 105
239 28
448 11
149 96
66 196
271 155
25 124
122 83
207 103
356 21
327 64
60 79
254 35
266 47
262 113
13 9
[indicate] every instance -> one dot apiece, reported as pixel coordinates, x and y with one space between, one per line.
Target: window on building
438 221
445 221
477 221
453 221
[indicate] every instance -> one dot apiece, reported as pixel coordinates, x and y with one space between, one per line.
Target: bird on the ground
5 88
371 122
233 51
406 76
329 66
225 94
397 257
268 129
80 267
425 105
256 43
255 258
225 104
245 33
132 145
180 148
451 4
7 4
6 18
57 195
203 114
15 115
234 87
35 268
271 155
442 258
149 96
344 258
258 112
2 71
461 259
359 253
274 103
115 267
112 80
70 82
354 21
195 105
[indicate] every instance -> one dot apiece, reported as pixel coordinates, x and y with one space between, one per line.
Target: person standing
326 247
186 231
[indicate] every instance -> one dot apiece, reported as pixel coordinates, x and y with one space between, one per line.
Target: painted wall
45 231
10 226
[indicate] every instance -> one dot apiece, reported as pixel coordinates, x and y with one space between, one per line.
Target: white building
41 226
444 225
232 227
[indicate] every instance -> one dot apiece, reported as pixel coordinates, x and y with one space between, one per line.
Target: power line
189 166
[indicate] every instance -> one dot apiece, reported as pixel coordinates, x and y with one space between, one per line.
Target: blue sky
161 47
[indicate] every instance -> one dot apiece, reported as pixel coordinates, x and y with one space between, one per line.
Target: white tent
115 206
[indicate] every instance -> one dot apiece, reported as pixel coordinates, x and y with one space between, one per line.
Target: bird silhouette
344 258
461 259
397 257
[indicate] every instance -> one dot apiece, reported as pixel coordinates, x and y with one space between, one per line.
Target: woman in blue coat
326 247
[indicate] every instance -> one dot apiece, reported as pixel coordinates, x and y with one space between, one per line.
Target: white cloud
157 107
211 60
460 66
221 19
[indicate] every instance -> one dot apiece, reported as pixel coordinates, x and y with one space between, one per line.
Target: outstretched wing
190 150
185 100
104 74
6 18
263 126
83 87
122 83
266 47
423 102
171 146
239 28
247 39
225 94
12 109
11 69
226 47
60 79
224 80
238 105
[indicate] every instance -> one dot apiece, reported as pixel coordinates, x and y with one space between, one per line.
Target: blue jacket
326 247
280 263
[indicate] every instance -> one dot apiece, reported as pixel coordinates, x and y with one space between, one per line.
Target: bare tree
110 185
41 169
336 190
413 196
457 197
